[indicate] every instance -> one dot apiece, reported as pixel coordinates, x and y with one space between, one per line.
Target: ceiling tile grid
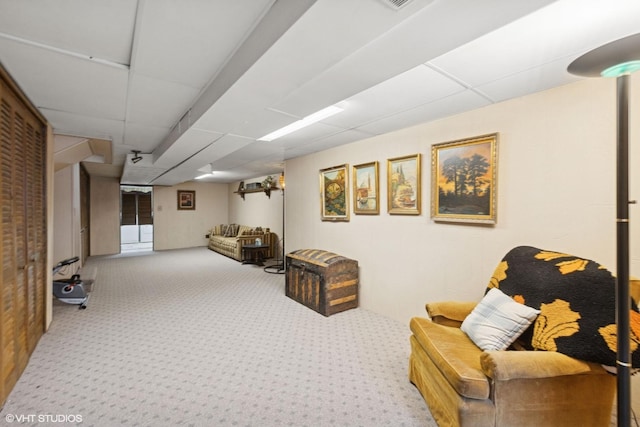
91 28
194 83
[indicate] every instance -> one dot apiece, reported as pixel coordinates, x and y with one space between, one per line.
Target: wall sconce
281 181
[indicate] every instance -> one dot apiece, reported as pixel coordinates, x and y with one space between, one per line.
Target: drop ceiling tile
95 28
238 156
254 122
248 172
88 127
255 170
187 168
530 81
418 86
544 36
174 176
455 104
260 149
202 37
425 35
137 175
193 141
335 51
310 133
157 102
318 41
335 140
144 137
66 83
223 147
256 159
345 137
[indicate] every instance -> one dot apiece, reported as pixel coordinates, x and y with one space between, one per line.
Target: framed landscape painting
365 189
334 193
403 185
464 180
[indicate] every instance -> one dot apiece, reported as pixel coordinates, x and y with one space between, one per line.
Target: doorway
136 218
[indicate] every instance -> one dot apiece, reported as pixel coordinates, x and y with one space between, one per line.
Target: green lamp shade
610 60
621 69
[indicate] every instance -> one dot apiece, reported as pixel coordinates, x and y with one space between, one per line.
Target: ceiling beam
276 21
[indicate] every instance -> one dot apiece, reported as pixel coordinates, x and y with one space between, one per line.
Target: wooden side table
254 254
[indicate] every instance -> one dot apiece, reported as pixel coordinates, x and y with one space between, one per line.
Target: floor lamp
618 59
279 268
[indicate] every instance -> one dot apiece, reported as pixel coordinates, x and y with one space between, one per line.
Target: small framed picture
186 200
334 193
464 180
403 185
366 199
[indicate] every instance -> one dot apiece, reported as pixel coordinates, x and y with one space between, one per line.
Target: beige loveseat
228 239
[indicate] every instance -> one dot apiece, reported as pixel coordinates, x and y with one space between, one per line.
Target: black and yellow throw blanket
576 299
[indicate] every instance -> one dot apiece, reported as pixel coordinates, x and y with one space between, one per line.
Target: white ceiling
192 84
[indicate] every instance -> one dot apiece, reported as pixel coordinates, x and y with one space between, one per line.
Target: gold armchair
530 353
465 386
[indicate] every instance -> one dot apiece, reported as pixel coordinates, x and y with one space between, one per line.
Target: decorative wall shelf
266 191
242 190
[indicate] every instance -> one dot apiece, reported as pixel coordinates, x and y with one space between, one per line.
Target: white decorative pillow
497 321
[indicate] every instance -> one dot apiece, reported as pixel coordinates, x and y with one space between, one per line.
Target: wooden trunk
321 280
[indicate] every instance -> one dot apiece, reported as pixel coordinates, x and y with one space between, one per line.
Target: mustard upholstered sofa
465 386
228 239
530 353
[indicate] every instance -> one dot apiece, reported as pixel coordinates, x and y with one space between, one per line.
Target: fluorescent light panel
206 175
297 125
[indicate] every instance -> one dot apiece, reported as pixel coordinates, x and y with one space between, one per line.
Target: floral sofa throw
576 299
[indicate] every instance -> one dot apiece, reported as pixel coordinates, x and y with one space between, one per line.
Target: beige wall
556 191
104 224
172 228
175 228
66 214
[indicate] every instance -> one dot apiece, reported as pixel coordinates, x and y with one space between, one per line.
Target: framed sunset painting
464 180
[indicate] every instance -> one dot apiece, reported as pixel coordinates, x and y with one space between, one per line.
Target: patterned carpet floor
191 338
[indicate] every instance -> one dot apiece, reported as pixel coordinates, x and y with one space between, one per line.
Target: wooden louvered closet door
23 233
